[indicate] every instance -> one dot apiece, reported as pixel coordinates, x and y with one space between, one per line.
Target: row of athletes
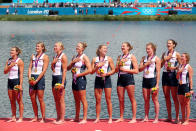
176 79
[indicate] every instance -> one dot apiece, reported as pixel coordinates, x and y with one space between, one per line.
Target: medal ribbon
61 92
101 61
57 56
10 61
19 94
103 78
194 96
168 54
120 60
181 74
169 59
74 75
37 60
150 60
74 78
30 90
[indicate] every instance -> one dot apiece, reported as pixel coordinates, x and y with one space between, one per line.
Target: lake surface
26 34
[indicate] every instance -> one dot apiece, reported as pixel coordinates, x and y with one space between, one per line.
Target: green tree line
5 1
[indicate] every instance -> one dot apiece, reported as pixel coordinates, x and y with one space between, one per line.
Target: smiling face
79 48
13 52
103 50
183 58
170 45
39 48
149 50
57 48
124 48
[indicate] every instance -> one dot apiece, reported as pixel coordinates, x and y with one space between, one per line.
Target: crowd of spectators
111 4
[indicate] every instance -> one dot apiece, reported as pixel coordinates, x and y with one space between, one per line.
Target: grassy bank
97 18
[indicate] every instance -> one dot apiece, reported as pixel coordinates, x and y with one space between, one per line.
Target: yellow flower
169 64
153 90
31 80
58 86
188 95
121 63
74 70
100 71
17 87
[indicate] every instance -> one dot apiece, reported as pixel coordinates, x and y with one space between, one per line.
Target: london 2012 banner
100 11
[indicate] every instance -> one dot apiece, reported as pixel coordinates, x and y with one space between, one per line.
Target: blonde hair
84 45
99 47
61 45
18 50
42 45
153 46
187 57
129 45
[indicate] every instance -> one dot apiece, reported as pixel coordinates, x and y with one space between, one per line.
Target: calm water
26 34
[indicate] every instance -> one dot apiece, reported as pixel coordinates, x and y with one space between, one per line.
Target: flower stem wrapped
74 70
58 86
153 90
31 80
17 87
188 95
121 63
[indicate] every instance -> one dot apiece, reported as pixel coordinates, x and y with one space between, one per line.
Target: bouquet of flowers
74 70
17 87
121 63
188 95
100 71
31 80
153 90
57 86
168 64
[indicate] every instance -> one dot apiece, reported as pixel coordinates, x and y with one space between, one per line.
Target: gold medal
169 64
147 72
35 69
